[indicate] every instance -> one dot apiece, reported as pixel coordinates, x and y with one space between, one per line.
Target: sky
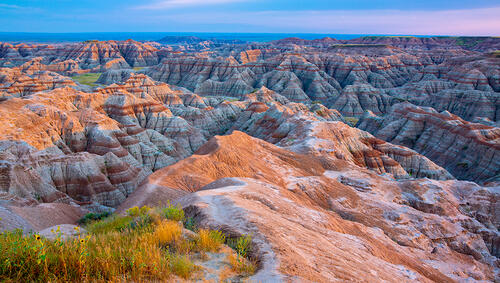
402 17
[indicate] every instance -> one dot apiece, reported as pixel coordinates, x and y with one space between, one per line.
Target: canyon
376 158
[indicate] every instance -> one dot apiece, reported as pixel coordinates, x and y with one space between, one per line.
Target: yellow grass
168 232
209 241
241 265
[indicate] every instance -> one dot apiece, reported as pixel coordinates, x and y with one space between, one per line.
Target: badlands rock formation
318 218
87 55
470 151
257 138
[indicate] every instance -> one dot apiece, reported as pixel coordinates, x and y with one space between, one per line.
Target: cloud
7 6
169 4
18 9
446 22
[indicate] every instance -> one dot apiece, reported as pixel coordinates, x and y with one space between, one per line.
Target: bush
190 224
241 245
174 213
89 217
240 263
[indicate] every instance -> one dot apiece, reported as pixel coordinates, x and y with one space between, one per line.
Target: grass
137 68
240 263
182 266
468 42
357 45
90 217
209 241
495 54
87 79
231 99
147 244
168 233
352 121
387 36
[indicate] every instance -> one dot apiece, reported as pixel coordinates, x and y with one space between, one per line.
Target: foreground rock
318 218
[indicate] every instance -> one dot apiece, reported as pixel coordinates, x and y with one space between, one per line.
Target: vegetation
174 212
468 42
90 217
357 45
387 36
240 263
89 79
146 244
137 68
209 241
352 121
495 54
231 99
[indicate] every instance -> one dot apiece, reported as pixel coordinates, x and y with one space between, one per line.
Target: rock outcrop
316 217
469 151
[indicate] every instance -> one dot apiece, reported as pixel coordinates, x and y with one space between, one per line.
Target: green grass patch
89 79
468 42
387 36
357 45
137 68
495 54
352 121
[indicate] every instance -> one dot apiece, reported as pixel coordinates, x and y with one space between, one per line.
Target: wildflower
37 237
76 228
82 241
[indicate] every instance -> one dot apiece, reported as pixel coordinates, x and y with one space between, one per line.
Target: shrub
241 245
89 217
142 222
113 223
240 263
174 213
190 224
209 241
133 211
